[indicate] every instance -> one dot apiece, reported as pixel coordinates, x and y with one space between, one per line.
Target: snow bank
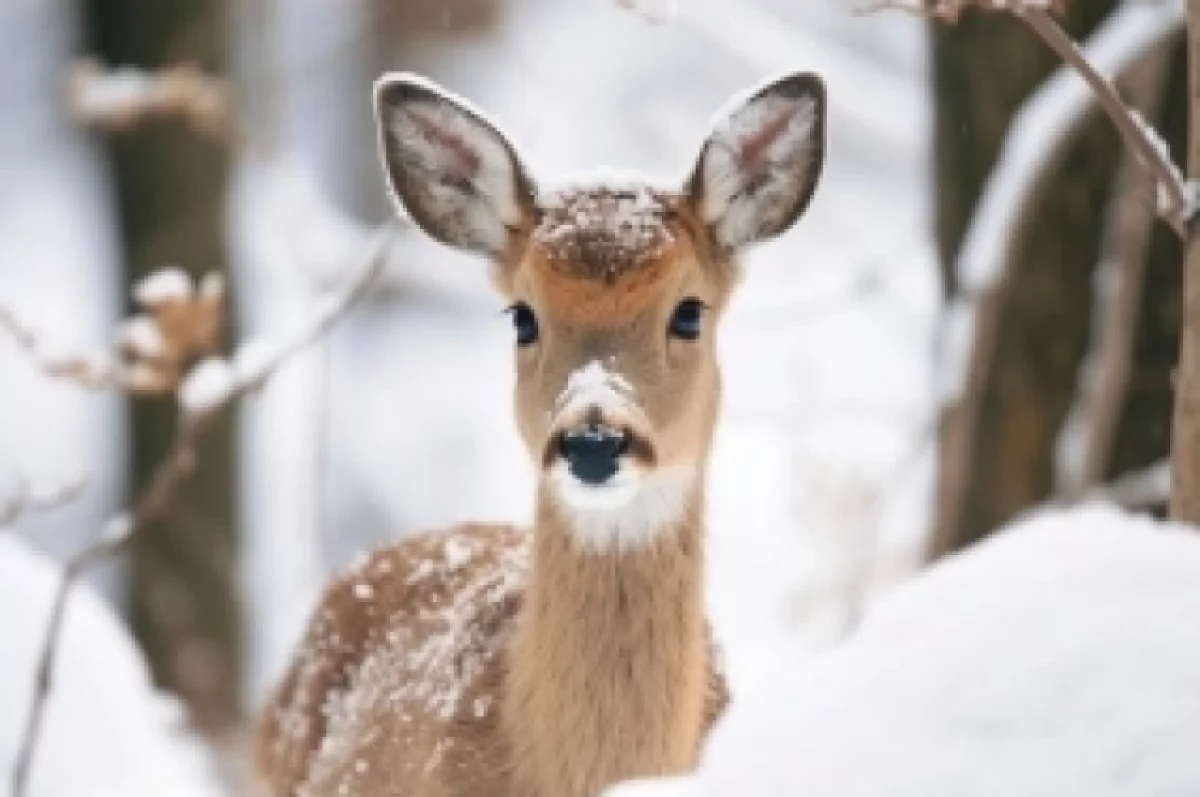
107 733
1060 658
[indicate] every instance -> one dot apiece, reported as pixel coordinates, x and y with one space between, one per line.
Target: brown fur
567 673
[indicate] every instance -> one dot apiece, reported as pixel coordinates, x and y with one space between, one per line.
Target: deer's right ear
759 167
455 174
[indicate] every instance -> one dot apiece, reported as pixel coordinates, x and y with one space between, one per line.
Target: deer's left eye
686 319
524 323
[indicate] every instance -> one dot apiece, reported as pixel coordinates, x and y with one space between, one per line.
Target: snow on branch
119 99
211 386
179 323
1177 197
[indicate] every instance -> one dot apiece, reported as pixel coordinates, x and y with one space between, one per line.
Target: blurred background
865 429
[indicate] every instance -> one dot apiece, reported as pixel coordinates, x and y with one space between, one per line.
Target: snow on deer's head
615 285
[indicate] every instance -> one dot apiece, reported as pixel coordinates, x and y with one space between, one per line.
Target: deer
554 661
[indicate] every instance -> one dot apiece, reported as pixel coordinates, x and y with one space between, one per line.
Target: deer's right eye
524 322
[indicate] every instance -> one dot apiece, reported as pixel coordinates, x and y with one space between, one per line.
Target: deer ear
451 169
759 166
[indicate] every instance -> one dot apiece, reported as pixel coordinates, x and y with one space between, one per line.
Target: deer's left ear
759 166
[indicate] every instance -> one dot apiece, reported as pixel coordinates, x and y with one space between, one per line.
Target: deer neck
608 669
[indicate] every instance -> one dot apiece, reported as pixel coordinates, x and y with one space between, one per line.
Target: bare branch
172 472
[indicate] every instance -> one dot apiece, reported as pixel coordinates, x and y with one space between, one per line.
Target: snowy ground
106 731
1062 657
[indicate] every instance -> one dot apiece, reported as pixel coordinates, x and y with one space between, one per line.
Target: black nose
593 452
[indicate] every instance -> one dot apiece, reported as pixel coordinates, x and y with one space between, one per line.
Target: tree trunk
983 69
170 193
1185 438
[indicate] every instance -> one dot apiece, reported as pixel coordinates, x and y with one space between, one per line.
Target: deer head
615 286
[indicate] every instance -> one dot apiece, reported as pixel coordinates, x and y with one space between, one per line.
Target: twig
88 369
178 465
31 497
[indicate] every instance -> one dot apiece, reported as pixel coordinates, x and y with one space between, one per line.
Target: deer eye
524 322
685 320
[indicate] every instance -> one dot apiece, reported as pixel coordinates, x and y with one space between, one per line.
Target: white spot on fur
759 160
465 180
628 512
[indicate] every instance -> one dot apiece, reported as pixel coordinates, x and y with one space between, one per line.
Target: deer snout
593 452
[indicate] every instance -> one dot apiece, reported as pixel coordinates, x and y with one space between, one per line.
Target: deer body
487 660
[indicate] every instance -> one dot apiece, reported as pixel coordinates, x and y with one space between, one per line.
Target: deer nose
593 452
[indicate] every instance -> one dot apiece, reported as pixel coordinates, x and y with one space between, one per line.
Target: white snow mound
1062 657
106 732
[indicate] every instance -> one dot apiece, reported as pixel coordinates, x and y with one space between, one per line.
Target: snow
424 657
207 386
593 385
1165 194
141 336
117 94
618 224
107 732
1062 656
165 286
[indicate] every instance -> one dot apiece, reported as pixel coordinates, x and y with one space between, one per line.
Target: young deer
486 660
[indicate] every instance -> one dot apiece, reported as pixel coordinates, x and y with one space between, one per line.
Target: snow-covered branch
121 98
1177 197
211 386
179 323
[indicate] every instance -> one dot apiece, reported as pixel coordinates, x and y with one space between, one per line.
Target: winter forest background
865 432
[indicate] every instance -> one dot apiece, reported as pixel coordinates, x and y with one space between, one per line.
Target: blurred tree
170 185
1000 460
